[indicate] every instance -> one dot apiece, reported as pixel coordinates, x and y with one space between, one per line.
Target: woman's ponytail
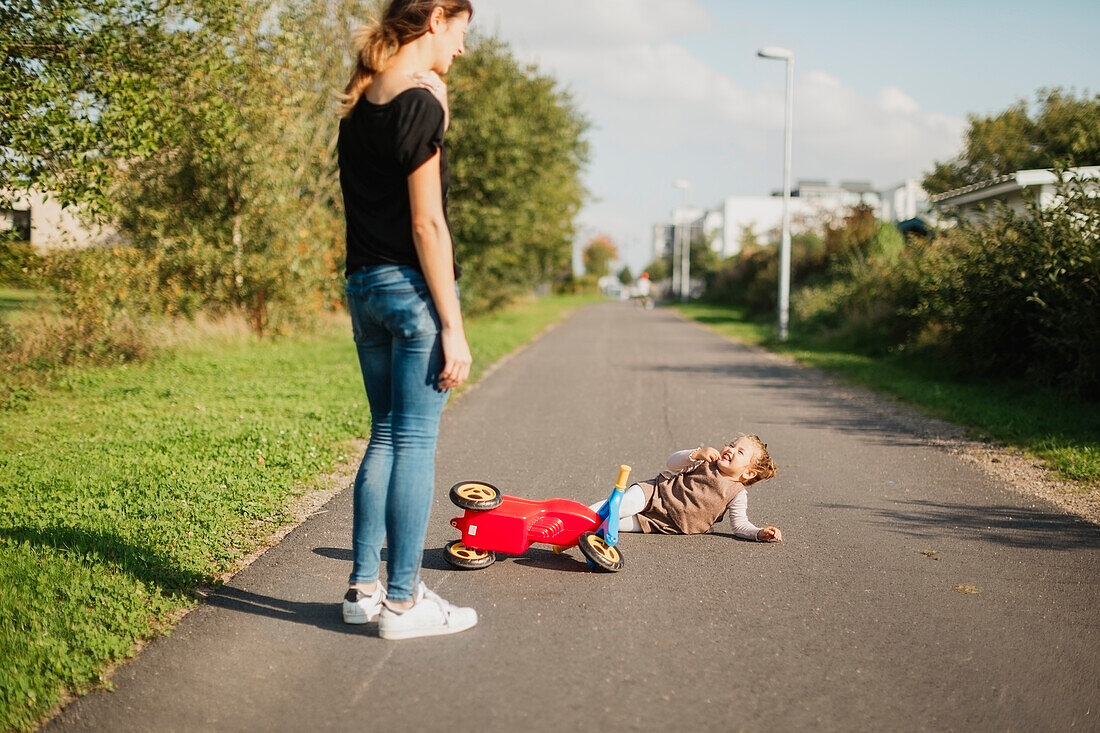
402 21
373 46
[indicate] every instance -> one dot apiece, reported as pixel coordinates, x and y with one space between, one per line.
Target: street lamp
774 52
685 243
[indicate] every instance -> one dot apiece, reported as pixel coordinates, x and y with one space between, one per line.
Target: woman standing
403 300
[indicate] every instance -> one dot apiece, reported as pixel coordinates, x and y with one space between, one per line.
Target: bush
751 278
867 290
1020 296
577 285
18 262
748 279
104 298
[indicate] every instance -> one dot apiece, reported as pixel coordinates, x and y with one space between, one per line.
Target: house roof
1008 183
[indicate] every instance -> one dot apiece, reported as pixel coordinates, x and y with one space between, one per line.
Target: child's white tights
633 503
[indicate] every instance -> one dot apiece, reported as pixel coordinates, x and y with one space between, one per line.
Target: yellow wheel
476 495
600 554
467 558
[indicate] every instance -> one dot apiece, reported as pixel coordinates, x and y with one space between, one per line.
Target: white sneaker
430 615
360 607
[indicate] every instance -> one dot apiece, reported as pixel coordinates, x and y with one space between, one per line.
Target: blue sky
674 88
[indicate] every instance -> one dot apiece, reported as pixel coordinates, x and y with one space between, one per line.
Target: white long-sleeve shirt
737 510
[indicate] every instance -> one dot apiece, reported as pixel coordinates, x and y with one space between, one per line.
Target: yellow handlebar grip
624 474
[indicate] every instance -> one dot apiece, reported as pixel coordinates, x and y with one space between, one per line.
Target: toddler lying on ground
697 489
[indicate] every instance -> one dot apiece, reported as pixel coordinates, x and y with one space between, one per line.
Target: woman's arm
434 250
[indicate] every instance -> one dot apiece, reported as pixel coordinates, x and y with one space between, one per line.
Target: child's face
736 459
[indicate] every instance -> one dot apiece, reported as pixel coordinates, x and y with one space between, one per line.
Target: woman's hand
456 358
430 80
769 534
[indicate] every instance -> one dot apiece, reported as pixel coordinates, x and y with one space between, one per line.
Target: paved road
853 622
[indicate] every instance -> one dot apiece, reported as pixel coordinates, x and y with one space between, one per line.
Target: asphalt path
913 592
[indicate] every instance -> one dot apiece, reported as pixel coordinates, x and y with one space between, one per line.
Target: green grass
1032 419
123 489
14 302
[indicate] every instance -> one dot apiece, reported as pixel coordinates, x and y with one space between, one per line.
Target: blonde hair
374 44
762 463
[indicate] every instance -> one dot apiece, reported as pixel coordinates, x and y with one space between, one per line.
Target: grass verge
14 302
1066 435
122 489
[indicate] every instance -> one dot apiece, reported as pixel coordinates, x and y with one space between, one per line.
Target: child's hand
769 534
706 454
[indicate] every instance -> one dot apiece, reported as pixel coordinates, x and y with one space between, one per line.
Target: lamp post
774 52
684 240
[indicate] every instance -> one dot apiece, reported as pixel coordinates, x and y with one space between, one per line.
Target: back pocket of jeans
409 313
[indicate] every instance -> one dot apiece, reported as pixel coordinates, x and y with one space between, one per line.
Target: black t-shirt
379 146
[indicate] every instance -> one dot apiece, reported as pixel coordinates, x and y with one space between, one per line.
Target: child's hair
762 463
402 21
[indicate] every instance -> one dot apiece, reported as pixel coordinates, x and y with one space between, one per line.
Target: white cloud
583 23
660 112
892 98
884 139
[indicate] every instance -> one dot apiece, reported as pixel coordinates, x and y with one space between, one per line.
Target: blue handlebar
609 513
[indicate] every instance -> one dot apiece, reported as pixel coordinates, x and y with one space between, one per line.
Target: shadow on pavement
322 615
1011 526
840 407
570 561
433 558
326 615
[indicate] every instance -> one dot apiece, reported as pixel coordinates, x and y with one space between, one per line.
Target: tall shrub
83 86
1020 295
18 261
517 150
240 211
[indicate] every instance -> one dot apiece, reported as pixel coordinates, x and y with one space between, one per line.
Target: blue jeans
396 331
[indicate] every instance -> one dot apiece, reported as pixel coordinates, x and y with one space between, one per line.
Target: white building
813 203
903 202
42 221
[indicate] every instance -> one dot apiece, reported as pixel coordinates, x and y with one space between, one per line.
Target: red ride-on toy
494 523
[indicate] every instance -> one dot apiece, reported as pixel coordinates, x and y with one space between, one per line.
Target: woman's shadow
326 614
321 614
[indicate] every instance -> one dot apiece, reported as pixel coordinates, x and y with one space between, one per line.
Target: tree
748 238
1063 131
252 163
598 254
205 130
658 269
83 85
626 277
703 260
517 149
